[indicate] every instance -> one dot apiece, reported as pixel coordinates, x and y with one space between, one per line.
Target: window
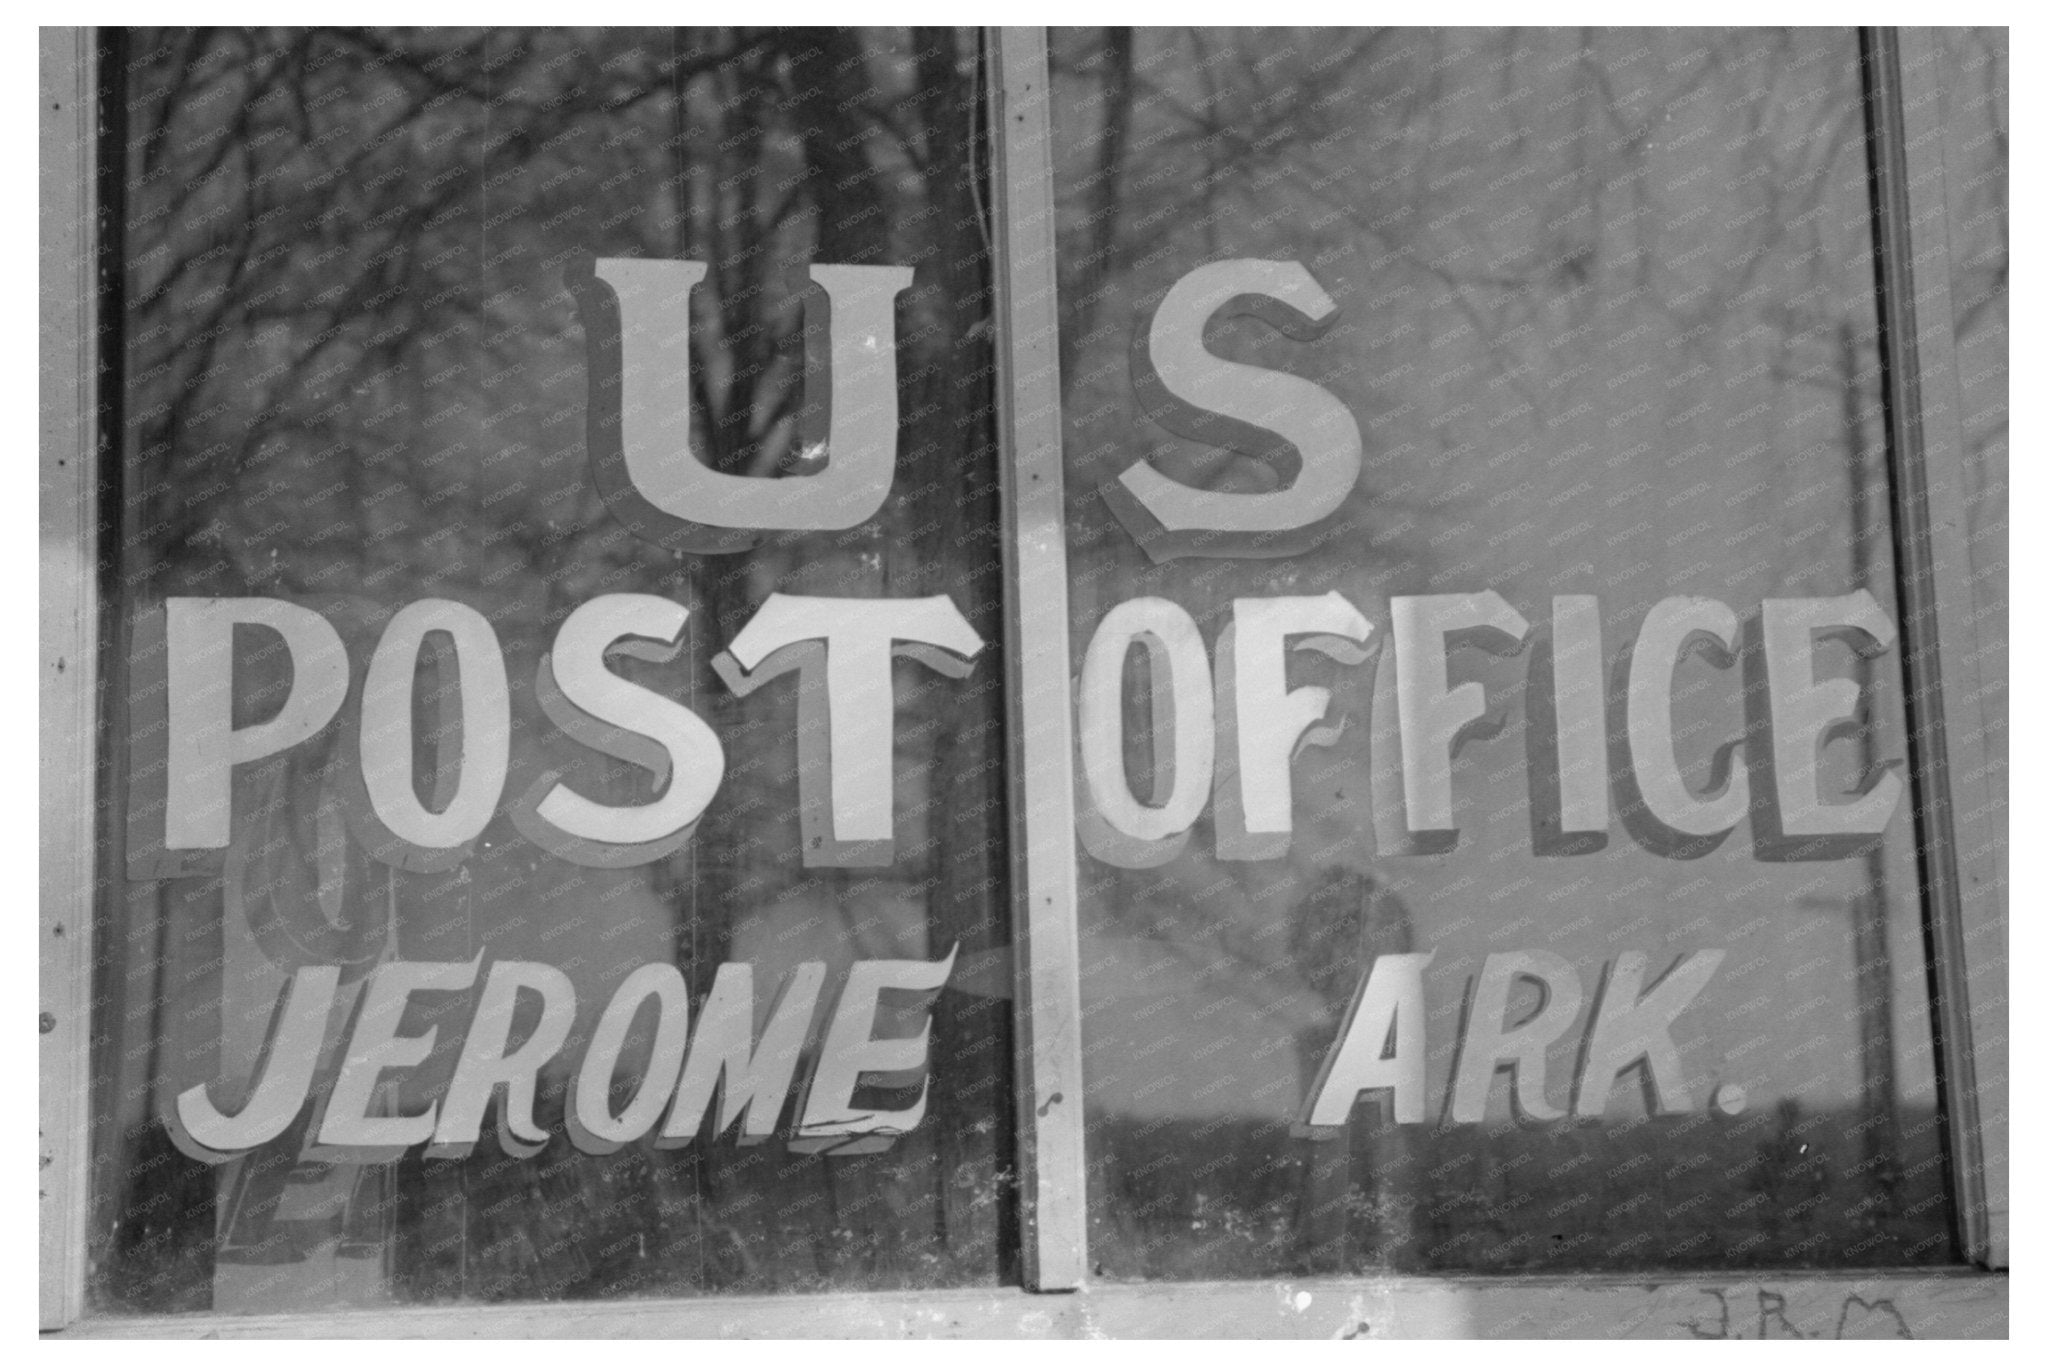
772 661
358 404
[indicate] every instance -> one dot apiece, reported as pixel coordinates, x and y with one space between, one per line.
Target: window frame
1961 835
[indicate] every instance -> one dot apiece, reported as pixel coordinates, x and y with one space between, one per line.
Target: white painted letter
1626 1029
646 464
1567 732
1267 725
756 1076
1804 713
851 1049
1488 1042
347 1131
1679 824
1380 1046
397 827
598 708
485 1066
202 1132
846 712
1435 719
1239 407
203 745
1114 825
593 1128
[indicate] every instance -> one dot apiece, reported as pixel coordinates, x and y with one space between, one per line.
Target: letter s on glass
1245 408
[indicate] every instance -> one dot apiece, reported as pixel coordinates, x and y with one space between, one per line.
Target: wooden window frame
1961 835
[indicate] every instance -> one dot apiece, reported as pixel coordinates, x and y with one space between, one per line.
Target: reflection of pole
1867 912
1396 1191
1373 1158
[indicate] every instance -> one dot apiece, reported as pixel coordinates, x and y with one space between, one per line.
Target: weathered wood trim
1963 1305
1962 863
68 660
1048 973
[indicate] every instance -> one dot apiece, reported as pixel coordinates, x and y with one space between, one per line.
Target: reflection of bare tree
355 378
1870 912
1976 67
1839 367
1090 270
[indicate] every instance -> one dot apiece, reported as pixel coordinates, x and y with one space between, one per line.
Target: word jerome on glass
1601 732
667 1096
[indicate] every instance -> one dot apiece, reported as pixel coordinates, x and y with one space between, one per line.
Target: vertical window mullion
1054 1185
1959 847
68 658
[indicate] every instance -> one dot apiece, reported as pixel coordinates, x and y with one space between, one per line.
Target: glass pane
417 381
1494 851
